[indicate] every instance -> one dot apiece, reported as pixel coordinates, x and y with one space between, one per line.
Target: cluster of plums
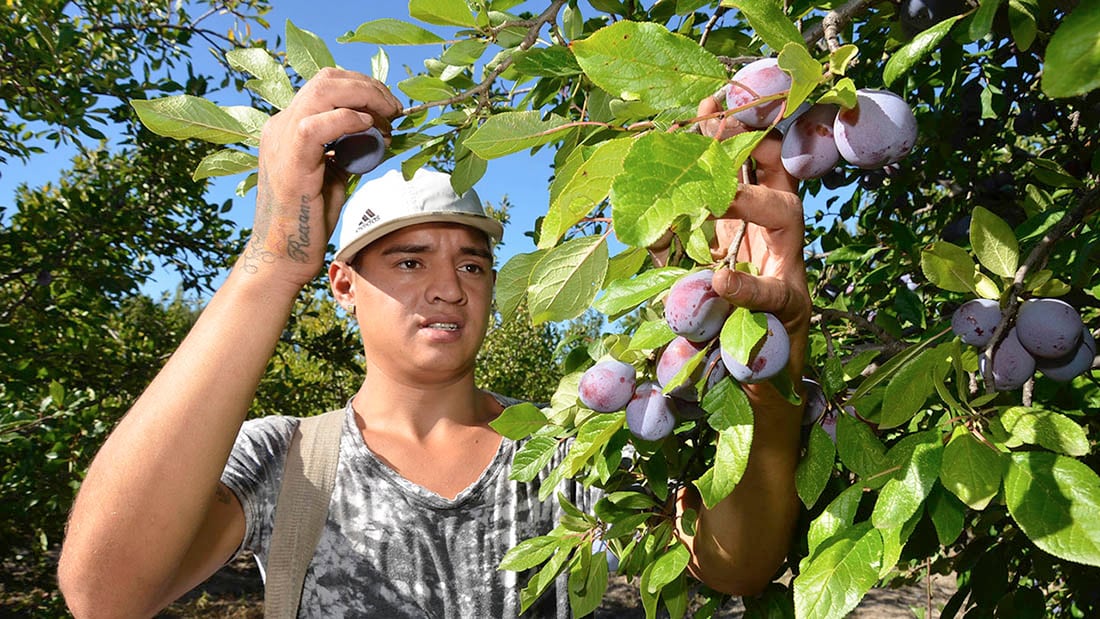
696 314
877 132
1048 336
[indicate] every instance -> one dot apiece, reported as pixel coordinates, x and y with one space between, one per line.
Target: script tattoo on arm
298 243
255 253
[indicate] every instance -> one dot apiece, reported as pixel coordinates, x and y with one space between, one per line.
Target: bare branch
834 21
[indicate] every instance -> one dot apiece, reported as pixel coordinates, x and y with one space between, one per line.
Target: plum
649 414
975 321
815 401
607 386
678 352
1049 328
1012 364
1073 365
358 153
693 309
809 150
878 131
757 79
770 359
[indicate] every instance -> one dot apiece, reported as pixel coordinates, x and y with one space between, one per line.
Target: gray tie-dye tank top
393 549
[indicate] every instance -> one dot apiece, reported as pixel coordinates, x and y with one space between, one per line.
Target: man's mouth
446 326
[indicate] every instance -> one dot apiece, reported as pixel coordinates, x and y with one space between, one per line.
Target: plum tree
878 131
1072 365
677 353
359 153
649 414
693 309
758 79
809 149
771 357
1049 328
1013 365
976 320
607 386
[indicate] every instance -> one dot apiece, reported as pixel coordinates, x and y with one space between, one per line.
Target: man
160 509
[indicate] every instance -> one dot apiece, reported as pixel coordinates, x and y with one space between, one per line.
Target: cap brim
488 225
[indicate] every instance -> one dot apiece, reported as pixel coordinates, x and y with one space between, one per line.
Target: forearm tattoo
259 251
296 245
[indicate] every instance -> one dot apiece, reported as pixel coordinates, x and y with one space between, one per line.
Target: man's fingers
759 294
766 207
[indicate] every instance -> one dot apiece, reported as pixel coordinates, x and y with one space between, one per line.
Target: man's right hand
299 192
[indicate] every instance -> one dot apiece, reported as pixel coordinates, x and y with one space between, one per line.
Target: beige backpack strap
301 510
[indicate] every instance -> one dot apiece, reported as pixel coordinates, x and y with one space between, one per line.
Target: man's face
423 295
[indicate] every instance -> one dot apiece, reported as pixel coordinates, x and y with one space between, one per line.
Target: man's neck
418 411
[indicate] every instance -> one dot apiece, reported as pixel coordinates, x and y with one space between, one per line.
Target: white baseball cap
389 203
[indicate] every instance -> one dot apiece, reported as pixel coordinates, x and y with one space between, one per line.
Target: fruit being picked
752 82
976 320
693 309
649 414
1049 328
878 131
607 386
771 356
675 355
358 153
809 150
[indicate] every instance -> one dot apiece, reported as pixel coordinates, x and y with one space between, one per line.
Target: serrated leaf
580 185
512 282
671 176
838 577
442 12
554 61
768 21
591 439
626 294
565 281
464 53
837 516
806 73
948 266
306 52
625 264
858 447
971 471
816 466
519 421
948 514
901 497
994 242
732 416
532 458
645 62
185 117
225 162
913 53
1072 60
742 332
511 132
271 83
389 31
543 579
1055 500
1048 429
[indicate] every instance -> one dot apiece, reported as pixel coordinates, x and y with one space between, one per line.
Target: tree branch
833 21
893 346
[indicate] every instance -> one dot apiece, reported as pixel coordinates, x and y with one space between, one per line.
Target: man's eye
409 264
473 268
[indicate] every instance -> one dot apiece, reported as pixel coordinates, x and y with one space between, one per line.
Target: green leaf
948 266
914 52
512 282
380 65
587 584
858 447
837 516
184 117
1055 500
948 514
544 578
580 185
994 242
306 53
888 369
806 73
626 294
591 439
667 567
982 22
565 282
742 332
426 88
519 421
530 552
768 21
908 389
625 264
251 119
532 458
643 61
464 53
390 32
1048 429
271 83
511 132
1021 20
225 162
442 12
902 496
732 416
651 335
671 175
971 470
684 373
816 466
1072 62
838 577
554 61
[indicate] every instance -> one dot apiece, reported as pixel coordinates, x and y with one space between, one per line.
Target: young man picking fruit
422 510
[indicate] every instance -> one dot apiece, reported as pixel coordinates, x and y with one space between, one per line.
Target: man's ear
341 279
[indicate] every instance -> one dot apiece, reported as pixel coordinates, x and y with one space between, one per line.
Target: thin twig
835 20
710 24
